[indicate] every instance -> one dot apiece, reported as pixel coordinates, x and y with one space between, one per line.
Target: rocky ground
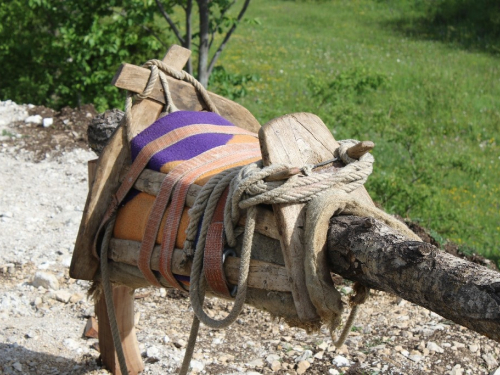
43 312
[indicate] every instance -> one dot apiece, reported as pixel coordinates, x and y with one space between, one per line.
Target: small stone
152 352
197 366
35 119
304 356
473 348
258 362
319 355
432 346
37 302
272 358
333 371
71 344
302 367
76 297
491 362
497 372
46 280
276 366
17 366
340 361
180 343
166 339
62 296
323 345
48 121
458 345
457 370
398 348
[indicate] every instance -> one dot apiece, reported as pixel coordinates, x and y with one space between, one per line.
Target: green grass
432 107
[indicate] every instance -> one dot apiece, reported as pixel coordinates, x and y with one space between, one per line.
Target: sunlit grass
435 120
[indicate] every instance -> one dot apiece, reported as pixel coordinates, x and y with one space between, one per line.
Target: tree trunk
204 42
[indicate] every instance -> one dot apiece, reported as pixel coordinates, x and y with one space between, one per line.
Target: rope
108 296
160 70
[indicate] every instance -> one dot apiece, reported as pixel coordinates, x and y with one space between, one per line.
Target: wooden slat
112 161
123 300
262 275
135 78
296 140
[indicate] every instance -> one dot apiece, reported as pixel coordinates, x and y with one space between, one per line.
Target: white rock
457 370
272 358
62 296
48 121
258 362
197 366
497 372
473 348
491 362
341 361
304 356
35 119
333 371
166 339
152 352
435 347
46 280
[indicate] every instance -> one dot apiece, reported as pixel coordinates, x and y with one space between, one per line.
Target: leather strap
235 152
213 262
186 172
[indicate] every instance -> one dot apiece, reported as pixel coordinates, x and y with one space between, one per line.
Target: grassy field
432 106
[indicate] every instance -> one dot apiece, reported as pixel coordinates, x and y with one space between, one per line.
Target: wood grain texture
123 299
185 97
296 140
112 161
262 275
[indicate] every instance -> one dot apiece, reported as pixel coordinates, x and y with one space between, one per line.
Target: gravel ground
43 312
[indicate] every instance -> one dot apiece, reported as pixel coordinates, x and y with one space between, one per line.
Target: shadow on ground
15 359
473 25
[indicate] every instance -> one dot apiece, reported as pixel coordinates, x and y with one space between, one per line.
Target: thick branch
189 33
204 40
170 22
227 37
367 251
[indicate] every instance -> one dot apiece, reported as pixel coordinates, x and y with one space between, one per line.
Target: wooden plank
111 163
296 140
184 96
262 275
123 299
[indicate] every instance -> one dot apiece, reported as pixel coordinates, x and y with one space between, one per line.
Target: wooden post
123 299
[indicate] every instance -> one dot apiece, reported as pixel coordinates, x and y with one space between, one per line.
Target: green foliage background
421 78
60 53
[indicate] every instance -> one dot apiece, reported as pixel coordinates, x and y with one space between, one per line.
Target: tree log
364 250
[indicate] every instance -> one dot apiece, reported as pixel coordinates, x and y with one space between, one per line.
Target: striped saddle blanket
190 148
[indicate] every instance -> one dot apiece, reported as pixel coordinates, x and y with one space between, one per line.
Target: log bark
364 250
